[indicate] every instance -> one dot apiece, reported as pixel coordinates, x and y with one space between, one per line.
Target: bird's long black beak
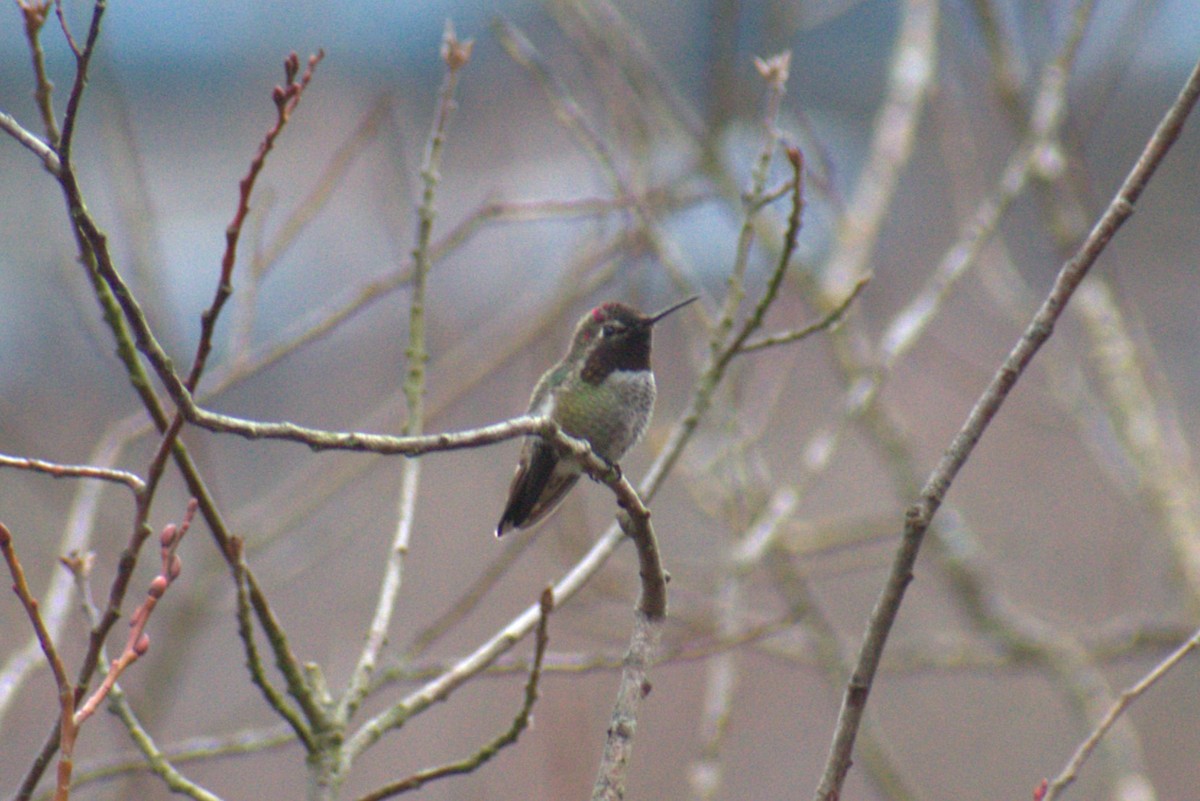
654 318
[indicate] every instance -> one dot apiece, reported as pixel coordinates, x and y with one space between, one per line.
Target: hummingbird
602 391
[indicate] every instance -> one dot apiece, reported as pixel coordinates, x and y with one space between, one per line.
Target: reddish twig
286 97
71 716
66 692
66 29
138 641
21 588
83 59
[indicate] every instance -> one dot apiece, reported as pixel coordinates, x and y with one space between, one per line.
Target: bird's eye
611 329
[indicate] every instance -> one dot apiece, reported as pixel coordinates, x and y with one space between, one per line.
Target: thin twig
456 54
138 642
774 72
152 757
133 482
194 749
1070 771
254 663
292 226
569 112
566 108
910 74
35 14
286 97
828 321
66 691
506 738
21 588
83 58
32 143
56 599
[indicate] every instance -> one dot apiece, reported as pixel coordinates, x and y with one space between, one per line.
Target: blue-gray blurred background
178 101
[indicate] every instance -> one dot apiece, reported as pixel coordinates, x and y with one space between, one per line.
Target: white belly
612 416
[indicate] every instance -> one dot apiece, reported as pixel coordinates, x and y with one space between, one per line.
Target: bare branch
456 54
35 13
258 674
133 482
138 642
1071 770
506 738
83 58
634 686
920 515
286 98
828 321
21 588
30 141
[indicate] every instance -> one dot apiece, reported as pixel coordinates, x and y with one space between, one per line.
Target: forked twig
504 739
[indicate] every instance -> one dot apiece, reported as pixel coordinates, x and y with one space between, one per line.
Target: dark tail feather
528 485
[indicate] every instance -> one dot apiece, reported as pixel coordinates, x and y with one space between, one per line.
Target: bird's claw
611 469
